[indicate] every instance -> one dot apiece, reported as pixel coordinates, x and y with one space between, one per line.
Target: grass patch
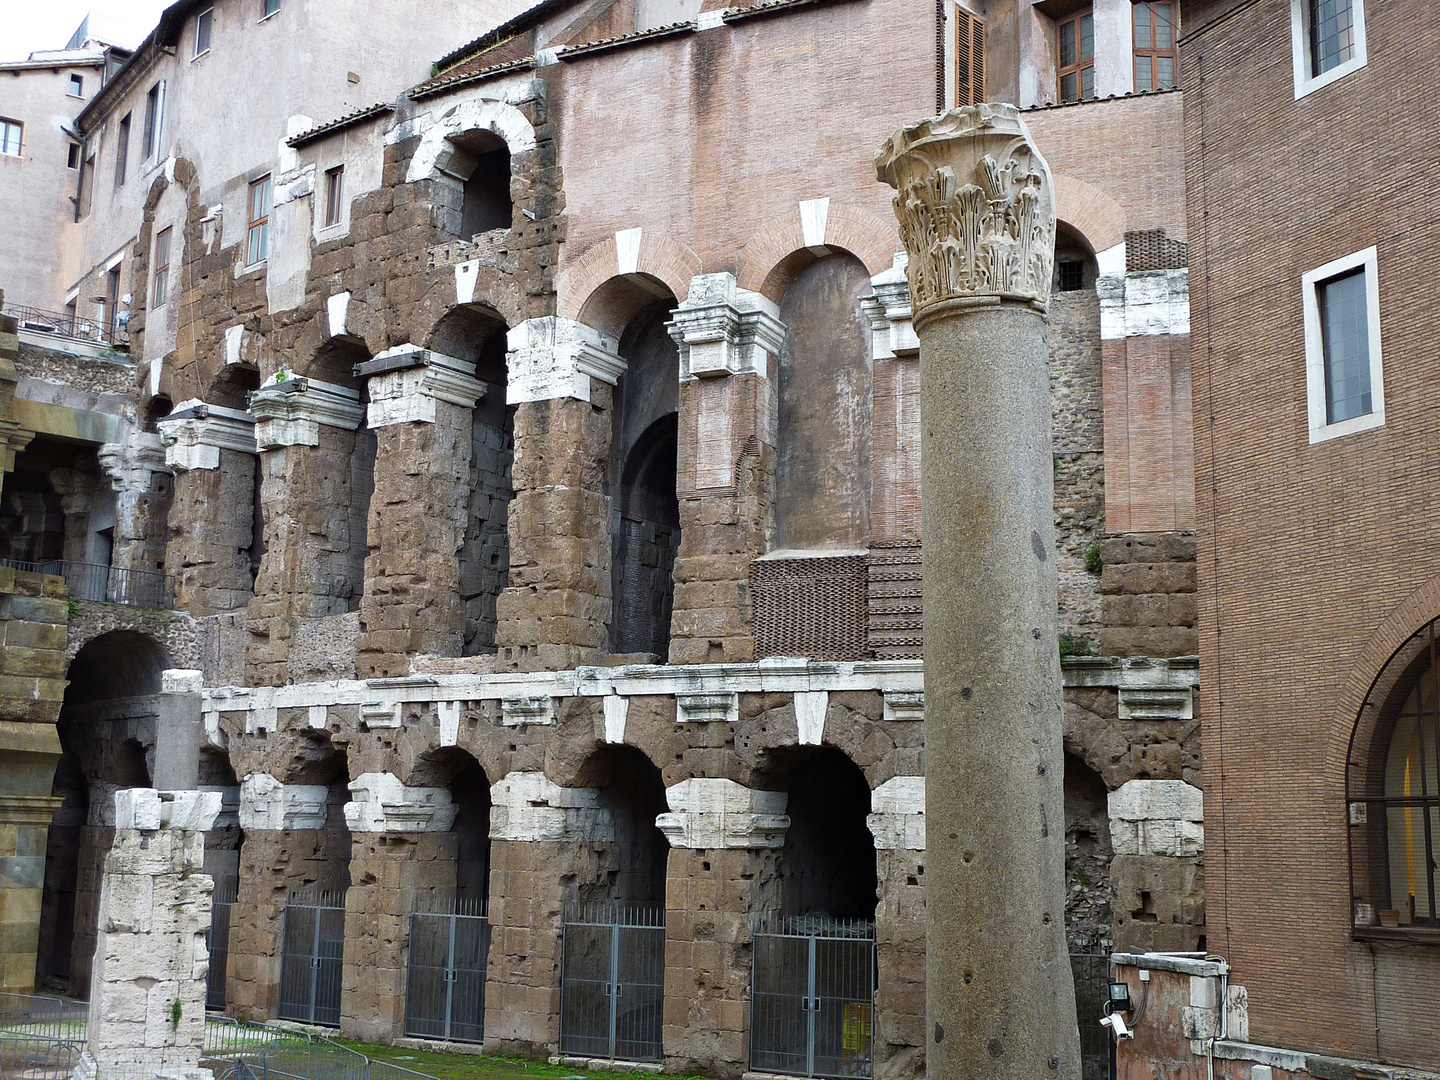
447 1065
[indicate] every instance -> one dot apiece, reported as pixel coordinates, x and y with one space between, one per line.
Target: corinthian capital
976 207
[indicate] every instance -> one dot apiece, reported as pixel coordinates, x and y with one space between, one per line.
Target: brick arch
1408 616
660 256
1090 212
762 266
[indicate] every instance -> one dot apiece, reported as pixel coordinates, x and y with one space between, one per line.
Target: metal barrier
445 973
110 584
1092 990
217 940
310 958
41 1038
812 996
612 982
63 324
238 1051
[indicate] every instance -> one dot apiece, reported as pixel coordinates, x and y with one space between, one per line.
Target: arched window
1395 801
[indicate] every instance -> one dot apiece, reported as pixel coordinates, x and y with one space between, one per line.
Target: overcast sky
48 24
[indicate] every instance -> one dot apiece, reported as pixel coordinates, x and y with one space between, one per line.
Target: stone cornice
551 357
291 413
406 384
195 433
723 329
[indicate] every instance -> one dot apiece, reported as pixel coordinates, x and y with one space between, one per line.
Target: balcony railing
110 584
66 324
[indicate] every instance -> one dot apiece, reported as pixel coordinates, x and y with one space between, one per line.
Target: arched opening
612 980
58 515
1394 793
478 335
1087 859
822 468
821 941
107 731
1075 265
473 196
644 447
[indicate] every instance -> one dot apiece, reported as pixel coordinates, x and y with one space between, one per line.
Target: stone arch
116 663
778 249
660 257
475 115
1099 219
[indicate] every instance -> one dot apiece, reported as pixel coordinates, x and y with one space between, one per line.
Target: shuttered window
969 58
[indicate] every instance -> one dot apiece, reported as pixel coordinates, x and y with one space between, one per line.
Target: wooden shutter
969 57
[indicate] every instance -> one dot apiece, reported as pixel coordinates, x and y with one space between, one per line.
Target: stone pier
147 993
977 218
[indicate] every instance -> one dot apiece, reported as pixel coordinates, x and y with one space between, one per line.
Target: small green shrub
1075 645
1092 558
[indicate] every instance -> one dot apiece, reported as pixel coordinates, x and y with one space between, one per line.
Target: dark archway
1087 859
632 791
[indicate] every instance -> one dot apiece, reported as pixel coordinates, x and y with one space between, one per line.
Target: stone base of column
24 830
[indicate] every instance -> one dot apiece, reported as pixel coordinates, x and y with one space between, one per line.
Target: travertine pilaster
554 612
728 339
420 409
143 491
211 451
314 560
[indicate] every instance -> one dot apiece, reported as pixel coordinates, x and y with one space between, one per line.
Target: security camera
1116 1023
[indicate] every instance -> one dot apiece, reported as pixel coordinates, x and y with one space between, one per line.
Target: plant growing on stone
175 1013
1092 558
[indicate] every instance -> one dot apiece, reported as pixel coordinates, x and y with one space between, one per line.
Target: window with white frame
203 22
1343 379
154 119
11 136
1328 41
258 231
160 280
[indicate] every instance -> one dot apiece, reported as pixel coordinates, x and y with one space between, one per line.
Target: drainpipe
1224 1017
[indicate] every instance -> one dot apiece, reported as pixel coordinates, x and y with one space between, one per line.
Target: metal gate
812 996
445 973
310 958
1092 991
612 983
218 943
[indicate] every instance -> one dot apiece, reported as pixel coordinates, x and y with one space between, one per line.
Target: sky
47 24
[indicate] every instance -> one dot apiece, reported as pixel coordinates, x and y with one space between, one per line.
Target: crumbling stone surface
177 632
212 534
1123 750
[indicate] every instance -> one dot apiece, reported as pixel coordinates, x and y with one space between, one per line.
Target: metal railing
65 324
218 942
109 584
1091 972
41 1038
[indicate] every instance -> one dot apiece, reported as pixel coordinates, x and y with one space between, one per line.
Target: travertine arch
478 114
660 256
762 266
1090 212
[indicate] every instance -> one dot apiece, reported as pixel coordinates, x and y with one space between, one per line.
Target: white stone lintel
1144 303
907 705
528 710
551 358
712 812
380 803
150 810
723 329
291 413
195 433
268 805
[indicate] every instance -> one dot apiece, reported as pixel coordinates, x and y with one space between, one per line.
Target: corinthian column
977 218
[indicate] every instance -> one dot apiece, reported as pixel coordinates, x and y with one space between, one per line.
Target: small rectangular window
77 85
258 231
1154 23
334 194
72 156
1327 41
1342 347
202 31
161 279
270 7
154 119
122 149
11 137
1076 56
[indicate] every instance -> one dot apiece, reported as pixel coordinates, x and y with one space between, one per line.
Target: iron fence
238 1051
445 973
217 940
612 982
812 996
310 958
111 584
1092 990
41 1038
63 324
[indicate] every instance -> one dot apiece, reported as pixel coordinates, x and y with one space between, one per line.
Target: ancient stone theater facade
544 538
